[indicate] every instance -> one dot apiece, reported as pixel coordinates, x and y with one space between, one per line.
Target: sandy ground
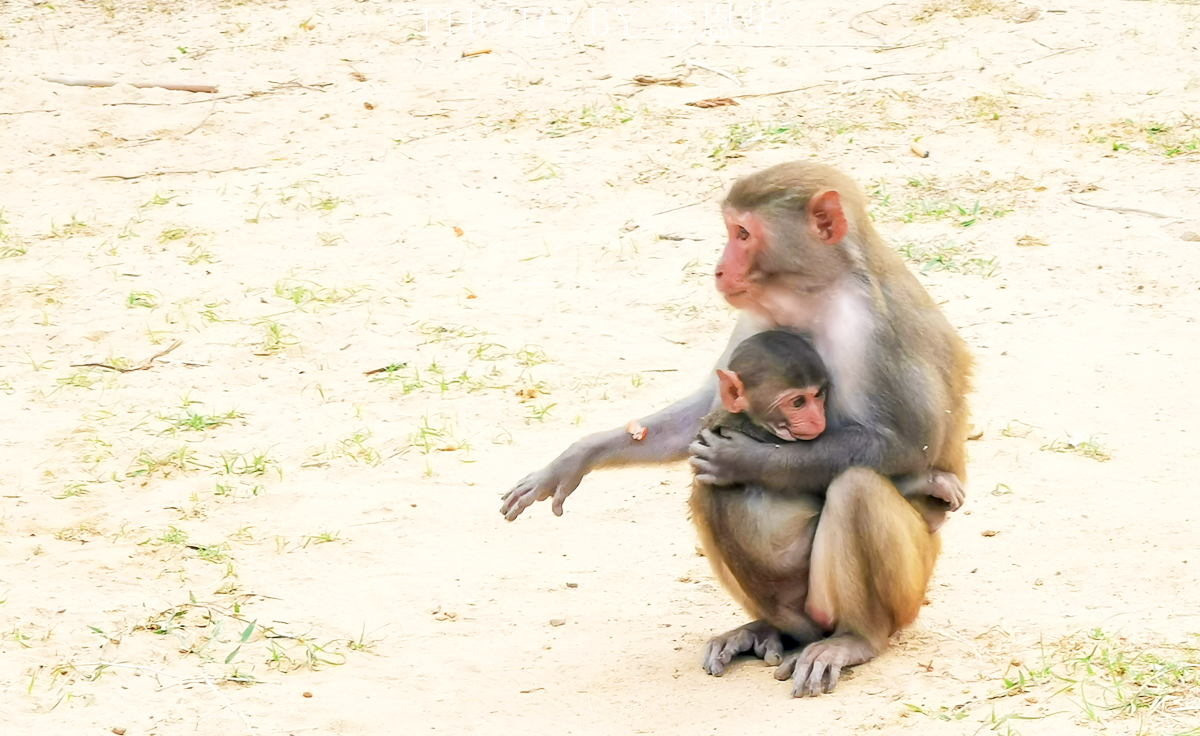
252 535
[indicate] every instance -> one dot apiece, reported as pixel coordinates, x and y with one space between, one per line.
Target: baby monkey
775 389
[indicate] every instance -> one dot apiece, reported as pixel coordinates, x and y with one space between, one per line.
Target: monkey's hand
725 461
559 479
948 488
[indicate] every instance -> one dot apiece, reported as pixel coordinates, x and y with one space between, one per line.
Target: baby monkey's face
790 413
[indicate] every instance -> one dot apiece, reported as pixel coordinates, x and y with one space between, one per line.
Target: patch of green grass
72 228
948 257
437 434
141 299
8 247
531 355
1155 135
73 490
941 713
173 535
1016 428
301 292
966 215
173 233
79 379
146 464
275 338
322 538
356 448
250 463
744 136
538 412
198 254
1087 447
448 333
328 240
588 116
191 420
158 200
211 553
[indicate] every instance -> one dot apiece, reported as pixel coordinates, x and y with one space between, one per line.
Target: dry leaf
714 102
458 231
679 80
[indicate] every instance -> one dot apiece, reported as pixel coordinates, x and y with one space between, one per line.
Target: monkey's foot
758 636
818 666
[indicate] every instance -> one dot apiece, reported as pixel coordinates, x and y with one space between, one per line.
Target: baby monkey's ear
733 392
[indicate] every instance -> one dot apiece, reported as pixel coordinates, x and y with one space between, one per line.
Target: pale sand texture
135 218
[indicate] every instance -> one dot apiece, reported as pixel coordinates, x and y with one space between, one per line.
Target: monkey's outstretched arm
668 434
802 467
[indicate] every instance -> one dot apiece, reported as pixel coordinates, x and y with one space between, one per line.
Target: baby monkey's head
778 380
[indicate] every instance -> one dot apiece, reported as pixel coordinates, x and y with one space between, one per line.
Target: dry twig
1124 210
143 366
80 82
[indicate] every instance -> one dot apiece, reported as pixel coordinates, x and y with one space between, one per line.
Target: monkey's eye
821 393
743 233
800 402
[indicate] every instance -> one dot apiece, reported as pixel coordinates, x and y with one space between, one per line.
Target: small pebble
572 585
557 621
118 731
1189 235
989 533
307 694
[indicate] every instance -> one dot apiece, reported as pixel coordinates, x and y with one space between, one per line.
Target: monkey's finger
711 660
515 510
769 650
787 667
835 671
799 678
814 683
698 449
564 489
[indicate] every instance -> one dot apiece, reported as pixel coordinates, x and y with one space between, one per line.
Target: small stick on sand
144 365
1124 210
714 70
476 52
81 82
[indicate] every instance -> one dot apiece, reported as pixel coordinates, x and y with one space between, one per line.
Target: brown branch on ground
143 366
1125 210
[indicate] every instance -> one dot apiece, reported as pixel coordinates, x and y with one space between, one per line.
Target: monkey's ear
826 219
733 392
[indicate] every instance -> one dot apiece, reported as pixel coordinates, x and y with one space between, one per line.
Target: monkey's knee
855 485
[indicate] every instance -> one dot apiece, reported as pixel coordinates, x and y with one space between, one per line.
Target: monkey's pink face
735 272
799 414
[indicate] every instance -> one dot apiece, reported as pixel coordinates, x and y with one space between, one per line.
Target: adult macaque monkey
802 254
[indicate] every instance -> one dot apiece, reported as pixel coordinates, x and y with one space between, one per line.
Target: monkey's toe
717 656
